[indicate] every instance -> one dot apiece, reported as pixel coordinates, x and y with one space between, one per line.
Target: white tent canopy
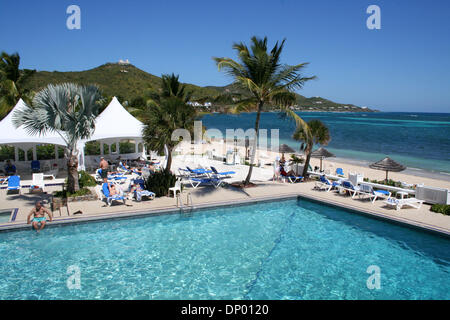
111 126
11 135
116 123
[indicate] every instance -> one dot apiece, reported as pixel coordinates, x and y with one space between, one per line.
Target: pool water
5 216
291 249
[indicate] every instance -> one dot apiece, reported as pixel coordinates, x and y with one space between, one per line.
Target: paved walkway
209 196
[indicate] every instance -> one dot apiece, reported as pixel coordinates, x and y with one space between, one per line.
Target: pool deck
207 196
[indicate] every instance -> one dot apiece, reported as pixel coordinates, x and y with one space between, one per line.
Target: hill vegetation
129 83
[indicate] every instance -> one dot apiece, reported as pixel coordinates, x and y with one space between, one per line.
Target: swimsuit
39 219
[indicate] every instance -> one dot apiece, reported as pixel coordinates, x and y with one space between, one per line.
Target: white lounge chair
326 184
400 203
38 182
367 190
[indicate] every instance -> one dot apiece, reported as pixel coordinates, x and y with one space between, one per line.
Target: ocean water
291 249
417 140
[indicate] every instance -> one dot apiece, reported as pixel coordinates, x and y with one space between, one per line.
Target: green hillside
128 82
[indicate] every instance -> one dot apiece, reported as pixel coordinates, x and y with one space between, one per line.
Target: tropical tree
266 80
318 134
170 87
67 109
162 119
11 82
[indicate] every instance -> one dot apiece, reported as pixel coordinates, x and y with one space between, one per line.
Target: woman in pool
39 219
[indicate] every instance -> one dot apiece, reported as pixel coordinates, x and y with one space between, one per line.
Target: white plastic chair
176 188
38 182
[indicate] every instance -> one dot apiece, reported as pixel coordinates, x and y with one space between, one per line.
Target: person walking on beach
38 213
104 167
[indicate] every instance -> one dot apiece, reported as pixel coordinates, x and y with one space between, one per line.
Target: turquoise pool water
292 249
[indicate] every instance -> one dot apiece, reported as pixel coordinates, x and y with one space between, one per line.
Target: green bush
441 208
65 194
160 182
86 180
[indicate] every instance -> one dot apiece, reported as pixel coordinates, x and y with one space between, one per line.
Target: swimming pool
290 249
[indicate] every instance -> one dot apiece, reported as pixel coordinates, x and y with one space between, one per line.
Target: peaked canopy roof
116 123
9 134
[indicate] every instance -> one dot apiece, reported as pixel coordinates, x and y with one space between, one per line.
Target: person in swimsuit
104 166
38 213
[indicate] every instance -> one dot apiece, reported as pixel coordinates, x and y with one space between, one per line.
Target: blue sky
405 66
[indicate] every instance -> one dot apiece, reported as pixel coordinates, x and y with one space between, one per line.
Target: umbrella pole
321 164
387 175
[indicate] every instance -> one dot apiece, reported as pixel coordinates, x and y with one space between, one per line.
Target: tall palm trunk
169 160
72 173
255 143
308 159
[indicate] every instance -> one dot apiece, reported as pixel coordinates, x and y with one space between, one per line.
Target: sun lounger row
366 191
199 176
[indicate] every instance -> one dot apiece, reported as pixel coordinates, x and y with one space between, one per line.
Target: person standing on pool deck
104 167
39 216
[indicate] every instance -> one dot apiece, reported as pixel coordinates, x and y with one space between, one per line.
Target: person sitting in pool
38 213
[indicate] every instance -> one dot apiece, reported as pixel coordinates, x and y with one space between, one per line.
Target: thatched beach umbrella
321 153
284 148
387 164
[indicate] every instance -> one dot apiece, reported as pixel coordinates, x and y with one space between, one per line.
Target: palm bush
160 182
68 109
261 74
12 81
318 134
165 113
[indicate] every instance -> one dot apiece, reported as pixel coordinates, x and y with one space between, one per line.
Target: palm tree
261 74
11 82
170 87
68 109
162 119
319 134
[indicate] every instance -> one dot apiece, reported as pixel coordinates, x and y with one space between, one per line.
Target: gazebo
21 139
111 126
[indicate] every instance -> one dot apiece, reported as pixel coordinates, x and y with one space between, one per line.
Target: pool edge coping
217 204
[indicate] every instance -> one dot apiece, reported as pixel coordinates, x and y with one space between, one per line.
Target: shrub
160 182
441 208
65 194
86 180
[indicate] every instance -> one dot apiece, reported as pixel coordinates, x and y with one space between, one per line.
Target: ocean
420 141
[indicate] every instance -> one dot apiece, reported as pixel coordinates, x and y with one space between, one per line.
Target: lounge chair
198 171
339 172
139 194
13 183
225 173
195 182
35 166
122 169
4 180
326 184
367 190
400 203
292 179
109 199
176 188
38 182
349 187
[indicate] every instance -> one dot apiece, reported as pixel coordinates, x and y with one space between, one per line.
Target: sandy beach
267 157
